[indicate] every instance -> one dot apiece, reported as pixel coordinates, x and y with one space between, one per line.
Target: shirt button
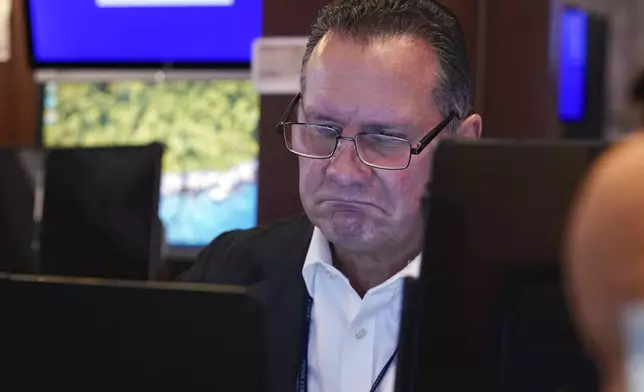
361 333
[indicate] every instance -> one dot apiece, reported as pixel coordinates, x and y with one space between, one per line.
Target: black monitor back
17 195
62 334
488 312
100 214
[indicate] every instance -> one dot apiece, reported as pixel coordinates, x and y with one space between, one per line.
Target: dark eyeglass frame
414 150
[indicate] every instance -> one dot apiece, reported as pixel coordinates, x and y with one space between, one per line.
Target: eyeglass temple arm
288 112
432 135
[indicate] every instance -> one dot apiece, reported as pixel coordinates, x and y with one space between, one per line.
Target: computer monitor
582 72
78 335
18 179
488 312
157 34
573 64
100 212
210 130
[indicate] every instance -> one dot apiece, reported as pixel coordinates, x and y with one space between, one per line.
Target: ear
471 127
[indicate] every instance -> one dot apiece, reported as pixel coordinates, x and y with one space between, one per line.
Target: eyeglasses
377 150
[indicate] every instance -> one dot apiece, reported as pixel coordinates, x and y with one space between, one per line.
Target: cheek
311 175
428 160
407 187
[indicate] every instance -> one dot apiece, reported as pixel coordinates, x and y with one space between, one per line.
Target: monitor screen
210 132
572 65
154 32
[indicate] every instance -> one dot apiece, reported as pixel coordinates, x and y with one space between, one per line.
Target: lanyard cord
302 377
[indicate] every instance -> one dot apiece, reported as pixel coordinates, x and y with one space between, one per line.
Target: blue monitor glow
131 33
210 131
573 59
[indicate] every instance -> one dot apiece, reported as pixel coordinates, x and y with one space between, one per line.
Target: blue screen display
144 31
572 65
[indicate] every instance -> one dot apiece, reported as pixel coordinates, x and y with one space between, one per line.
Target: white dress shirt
351 338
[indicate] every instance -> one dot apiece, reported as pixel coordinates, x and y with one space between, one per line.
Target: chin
344 225
348 232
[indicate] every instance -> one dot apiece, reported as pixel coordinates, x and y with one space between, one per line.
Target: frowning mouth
348 205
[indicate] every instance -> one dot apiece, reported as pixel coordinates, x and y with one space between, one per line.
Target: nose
345 168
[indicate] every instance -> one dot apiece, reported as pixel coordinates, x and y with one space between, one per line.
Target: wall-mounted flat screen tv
142 33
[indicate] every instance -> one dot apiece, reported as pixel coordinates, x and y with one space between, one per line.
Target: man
605 257
380 80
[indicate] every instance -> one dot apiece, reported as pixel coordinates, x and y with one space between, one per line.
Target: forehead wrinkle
376 94
371 113
379 109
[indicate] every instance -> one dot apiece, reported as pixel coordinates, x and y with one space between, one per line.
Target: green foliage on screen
204 125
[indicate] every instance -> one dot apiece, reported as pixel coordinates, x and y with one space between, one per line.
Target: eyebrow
321 117
382 127
312 114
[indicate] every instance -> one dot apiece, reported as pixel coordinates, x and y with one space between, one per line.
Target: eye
383 131
381 140
323 131
335 127
388 135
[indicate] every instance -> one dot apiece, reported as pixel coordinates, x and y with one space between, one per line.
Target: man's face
381 87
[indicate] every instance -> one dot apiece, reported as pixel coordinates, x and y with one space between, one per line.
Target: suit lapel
283 296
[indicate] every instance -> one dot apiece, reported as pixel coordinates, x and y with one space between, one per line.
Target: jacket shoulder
244 257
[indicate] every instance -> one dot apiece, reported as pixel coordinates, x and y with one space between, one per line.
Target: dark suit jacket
269 262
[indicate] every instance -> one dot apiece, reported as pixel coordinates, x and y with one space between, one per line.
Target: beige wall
625 57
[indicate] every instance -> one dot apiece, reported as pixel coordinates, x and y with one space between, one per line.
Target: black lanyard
302 377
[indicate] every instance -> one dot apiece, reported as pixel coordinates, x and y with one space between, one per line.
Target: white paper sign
276 64
164 3
5 30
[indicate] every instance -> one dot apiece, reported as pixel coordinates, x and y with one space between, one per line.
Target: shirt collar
320 253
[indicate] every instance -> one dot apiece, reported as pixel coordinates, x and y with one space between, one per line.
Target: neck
367 270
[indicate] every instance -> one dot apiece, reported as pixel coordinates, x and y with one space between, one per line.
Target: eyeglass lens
373 149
